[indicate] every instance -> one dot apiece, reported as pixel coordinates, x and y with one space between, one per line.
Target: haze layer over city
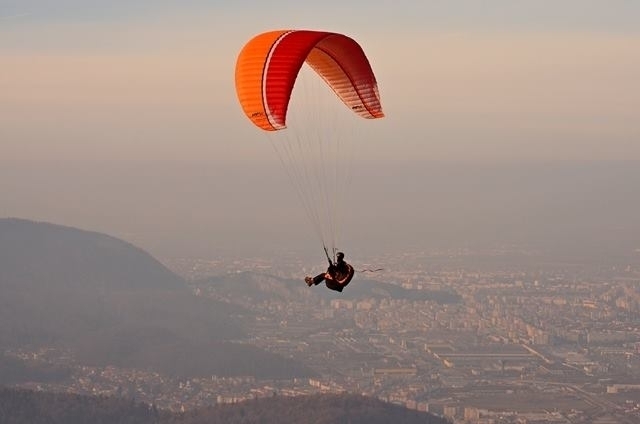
491 215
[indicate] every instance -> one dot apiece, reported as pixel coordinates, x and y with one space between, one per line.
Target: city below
520 338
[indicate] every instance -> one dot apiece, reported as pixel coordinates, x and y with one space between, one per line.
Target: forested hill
263 287
64 257
27 407
111 303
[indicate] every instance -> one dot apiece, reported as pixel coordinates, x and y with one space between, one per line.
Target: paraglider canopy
269 63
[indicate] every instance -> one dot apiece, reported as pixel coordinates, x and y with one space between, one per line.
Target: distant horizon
188 208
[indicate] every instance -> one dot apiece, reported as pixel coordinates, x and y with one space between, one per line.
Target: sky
92 86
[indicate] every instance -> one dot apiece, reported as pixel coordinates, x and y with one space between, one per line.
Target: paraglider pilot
337 276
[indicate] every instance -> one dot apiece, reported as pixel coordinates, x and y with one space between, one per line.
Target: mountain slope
112 303
65 257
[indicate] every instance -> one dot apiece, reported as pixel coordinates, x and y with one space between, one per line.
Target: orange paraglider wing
268 65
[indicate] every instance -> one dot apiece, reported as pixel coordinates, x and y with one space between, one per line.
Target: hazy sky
478 82
459 80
